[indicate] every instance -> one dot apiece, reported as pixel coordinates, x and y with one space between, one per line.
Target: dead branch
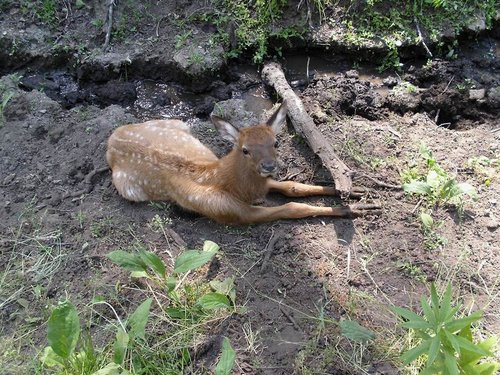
273 75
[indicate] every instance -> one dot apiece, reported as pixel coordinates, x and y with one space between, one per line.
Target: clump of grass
183 309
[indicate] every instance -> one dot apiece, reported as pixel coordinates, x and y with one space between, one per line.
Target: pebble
477 94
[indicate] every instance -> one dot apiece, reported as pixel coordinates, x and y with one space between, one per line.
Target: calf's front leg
297 189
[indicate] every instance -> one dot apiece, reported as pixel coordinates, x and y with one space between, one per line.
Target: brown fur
160 160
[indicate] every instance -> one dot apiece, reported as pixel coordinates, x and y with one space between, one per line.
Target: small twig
109 20
87 181
158 27
175 236
417 206
269 249
429 53
289 176
437 116
348 261
448 85
444 125
378 182
392 131
496 130
289 317
307 69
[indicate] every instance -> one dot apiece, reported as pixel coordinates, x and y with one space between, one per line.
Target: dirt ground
60 214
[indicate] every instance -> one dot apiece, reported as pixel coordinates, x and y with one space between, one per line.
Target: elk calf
160 160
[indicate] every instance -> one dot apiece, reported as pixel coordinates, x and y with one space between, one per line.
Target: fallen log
273 75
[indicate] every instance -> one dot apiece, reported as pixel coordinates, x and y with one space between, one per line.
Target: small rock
478 23
492 224
55 200
390 81
352 74
493 98
477 94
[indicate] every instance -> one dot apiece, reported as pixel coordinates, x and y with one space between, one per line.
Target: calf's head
255 146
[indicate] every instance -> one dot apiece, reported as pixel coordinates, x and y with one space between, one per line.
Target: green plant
192 302
100 228
64 339
437 186
445 340
133 350
412 270
4 100
180 39
227 358
487 168
432 240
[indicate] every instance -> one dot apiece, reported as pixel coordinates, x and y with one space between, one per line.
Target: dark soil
53 141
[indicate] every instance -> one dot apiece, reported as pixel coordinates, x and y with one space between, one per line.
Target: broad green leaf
98 299
176 313
427 220
192 259
417 187
448 190
407 314
466 188
225 287
139 274
415 352
212 301
110 369
120 346
50 359
458 324
355 332
129 261
433 179
154 262
138 319
433 350
63 329
227 359
171 283
450 364
425 151
210 246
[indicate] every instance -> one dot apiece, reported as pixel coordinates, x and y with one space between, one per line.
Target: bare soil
51 153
